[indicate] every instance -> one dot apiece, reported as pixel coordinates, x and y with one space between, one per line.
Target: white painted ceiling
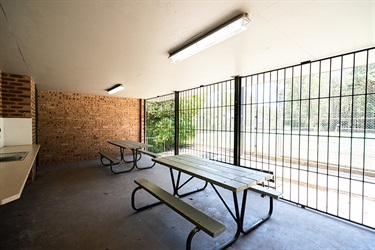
88 46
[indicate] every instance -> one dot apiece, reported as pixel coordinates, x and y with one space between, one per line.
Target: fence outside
312 125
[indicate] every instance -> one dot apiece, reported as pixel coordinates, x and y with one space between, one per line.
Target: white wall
16 131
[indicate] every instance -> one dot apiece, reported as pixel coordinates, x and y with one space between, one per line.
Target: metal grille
207 121
313 126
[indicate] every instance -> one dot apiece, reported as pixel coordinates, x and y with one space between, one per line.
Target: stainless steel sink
14 156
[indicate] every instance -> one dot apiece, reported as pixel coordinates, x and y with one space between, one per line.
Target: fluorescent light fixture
118 87
224 31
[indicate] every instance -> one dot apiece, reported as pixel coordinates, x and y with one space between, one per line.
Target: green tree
160 125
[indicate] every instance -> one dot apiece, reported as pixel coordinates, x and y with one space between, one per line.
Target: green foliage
160 125
160 129
325 101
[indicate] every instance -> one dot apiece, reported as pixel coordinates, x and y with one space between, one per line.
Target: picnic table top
129 144
225 175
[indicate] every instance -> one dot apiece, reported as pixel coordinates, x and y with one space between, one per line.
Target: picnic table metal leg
120 172
177 186
136 160
122 154
105 164
238 220
190 237
258 223
110 164
239 217
143 207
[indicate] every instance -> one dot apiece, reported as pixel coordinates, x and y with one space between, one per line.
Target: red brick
71 127
74 127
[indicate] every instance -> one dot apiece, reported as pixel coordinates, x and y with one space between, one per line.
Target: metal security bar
313 126
207 121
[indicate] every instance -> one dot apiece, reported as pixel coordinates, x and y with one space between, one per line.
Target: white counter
13 174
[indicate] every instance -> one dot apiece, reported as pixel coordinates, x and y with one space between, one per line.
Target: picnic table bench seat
201 221
266 191
152 154
112 160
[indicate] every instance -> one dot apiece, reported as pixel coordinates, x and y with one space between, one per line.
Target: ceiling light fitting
224 31
118 87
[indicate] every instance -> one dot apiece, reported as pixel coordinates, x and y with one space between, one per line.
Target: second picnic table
134 146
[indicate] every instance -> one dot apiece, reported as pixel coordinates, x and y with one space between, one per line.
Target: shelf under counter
14 174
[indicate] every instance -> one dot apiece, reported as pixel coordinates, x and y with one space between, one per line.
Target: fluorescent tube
115 89
226 30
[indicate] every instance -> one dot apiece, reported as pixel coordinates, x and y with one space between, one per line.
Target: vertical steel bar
187 103
364 139
201 121
182 115
283 151
210 92
176 121
308 138
226 121
192 101
217 118
299 133
226 118
199 106
207 120
354 105
269 123
251 121
328 130
318 135
244 103
242 119
277 127
263 104
223 118
257 124
291 135
339 139
237 120
232 106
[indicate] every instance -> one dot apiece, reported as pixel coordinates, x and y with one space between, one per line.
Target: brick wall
74 127
15 95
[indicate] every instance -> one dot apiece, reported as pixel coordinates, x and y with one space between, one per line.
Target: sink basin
14 156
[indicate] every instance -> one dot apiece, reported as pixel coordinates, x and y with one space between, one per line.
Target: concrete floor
83 205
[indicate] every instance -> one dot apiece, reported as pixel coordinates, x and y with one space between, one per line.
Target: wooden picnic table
134 146
233 178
